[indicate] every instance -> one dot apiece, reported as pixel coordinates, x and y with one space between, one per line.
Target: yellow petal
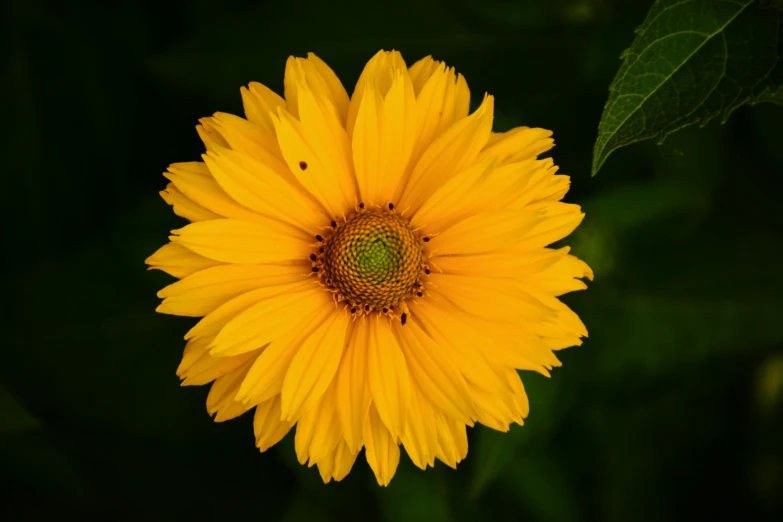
448 333
420 437
496 411
197 183
522 406
501 312
499 340
367 145
505 230
318 430
250 140
506 264
434 372
265 378
305 431
353 391
561 277
388 375
234 241
326 465
210 325
452 440
313 73
328 140
454 150
338 464
203 292
490 298
381 449
314 366
210 134
195 349
221 395
539 184
442 101
383 139
421 71
497 136
185 207
565 319
486 232
318 153
178 261
339 96
556 337
267 426
271 318
522 143
379 71
556 221
294 77
553 189
208 368
445 206
260 103
254 186
516 346
198 367
485 185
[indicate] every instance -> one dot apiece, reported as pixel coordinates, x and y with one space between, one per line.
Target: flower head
370 270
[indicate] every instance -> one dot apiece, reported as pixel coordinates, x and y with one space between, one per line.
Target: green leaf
692 61
771 96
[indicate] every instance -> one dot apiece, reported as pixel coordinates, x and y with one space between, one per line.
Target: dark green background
671 410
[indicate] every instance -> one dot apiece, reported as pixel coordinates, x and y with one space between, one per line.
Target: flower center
373 261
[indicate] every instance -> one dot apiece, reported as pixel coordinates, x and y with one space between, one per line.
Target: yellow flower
372 270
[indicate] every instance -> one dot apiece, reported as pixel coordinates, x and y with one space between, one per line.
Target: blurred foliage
671 410
691 61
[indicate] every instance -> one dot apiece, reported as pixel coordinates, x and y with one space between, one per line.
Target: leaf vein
707 37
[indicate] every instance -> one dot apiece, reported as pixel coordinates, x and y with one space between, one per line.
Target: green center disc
373 259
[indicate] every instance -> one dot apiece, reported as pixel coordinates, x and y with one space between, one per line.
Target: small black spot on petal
315 269
313 257
366 308
403 318
426 240
420 294
319 238
353 310
303 165
361 205
321 250
427 271
385 310
334 224
391 206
